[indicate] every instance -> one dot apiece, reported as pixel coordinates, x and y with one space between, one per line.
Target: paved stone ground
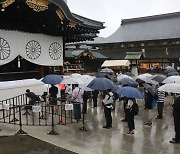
96 140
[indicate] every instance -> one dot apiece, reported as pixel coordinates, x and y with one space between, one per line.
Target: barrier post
20 132
83 127
52 132
14 116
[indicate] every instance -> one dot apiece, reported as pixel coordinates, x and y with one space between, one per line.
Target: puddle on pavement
24 144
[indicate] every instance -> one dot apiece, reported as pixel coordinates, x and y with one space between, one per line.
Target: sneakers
148 124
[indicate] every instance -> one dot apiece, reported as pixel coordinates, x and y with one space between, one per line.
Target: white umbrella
146 78
172 79
75 75
87 79
72 80
170 87
122 76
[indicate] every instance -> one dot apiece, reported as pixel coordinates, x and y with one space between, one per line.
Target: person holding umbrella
107 108
53 91
176 115
148 107
130 115
160 103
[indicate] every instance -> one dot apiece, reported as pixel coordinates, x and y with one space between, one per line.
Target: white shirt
130 103
108 100
68 89
77 95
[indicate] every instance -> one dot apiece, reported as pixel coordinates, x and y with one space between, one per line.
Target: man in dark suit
176 115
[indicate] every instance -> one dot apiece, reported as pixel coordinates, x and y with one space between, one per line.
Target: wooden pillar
41 71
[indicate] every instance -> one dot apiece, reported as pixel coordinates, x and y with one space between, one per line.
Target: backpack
135 108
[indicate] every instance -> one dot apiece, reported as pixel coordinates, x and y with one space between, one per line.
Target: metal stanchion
14 116
83 127
52 132
20 132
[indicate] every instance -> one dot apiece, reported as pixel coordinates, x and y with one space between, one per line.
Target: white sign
6 106
36 108
68 107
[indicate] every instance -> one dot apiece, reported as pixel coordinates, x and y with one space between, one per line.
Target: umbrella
159 78
101 84
52 79
149 88
129 74
172 74
172 79
130 92
170 69
75 75
145 78
122 76
128 82
72 80
170 87
106 70
101 75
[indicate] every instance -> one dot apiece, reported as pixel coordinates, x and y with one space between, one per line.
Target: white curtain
37 48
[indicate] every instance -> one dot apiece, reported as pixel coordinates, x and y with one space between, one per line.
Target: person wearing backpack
130 115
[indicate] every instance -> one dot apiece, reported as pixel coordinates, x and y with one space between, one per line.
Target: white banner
37 48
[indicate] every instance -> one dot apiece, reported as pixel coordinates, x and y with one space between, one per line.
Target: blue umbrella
128 82
52 79
130 92
101 84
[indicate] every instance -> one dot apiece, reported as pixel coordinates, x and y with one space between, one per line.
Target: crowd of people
79 98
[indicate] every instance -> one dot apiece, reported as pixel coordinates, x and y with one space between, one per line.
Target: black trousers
177 128
160 107
77 110
84 107
130 120
107 113
94 101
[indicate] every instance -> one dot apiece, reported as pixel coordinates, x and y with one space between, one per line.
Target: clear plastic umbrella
170 87
172 79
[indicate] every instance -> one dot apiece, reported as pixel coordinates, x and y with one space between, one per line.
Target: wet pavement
97 140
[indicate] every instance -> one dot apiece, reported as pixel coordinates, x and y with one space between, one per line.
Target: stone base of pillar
134 70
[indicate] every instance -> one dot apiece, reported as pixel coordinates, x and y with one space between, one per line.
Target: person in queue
176 116
77 99
107 101
53 91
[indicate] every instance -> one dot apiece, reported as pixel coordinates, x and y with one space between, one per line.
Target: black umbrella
172 74
149 88
170 69
129 73
159 78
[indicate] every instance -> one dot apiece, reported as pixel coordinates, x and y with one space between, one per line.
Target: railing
17 111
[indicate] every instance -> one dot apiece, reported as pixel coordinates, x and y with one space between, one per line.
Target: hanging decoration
38 5
60 14
7 3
